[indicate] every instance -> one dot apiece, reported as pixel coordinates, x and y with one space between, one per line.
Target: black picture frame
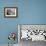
15 15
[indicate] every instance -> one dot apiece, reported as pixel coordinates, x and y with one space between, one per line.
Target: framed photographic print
11 12
33 32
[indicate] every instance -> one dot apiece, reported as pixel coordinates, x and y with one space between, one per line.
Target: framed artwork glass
11 12
33 32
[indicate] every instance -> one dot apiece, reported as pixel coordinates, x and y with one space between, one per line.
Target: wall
29 12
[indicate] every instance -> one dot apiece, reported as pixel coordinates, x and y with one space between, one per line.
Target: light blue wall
29 12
